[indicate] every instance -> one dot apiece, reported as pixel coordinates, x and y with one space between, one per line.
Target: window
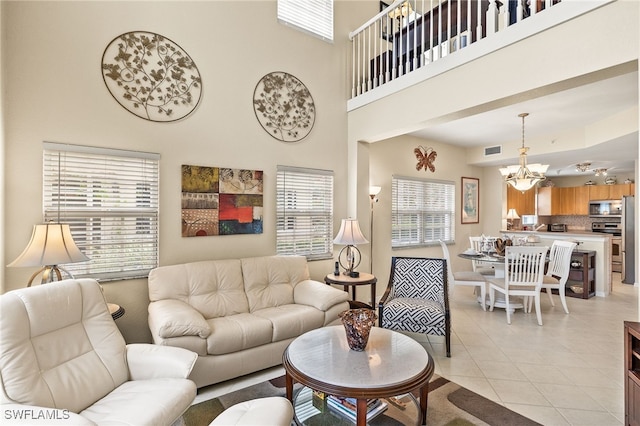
313 16
422 212
109 198
304 204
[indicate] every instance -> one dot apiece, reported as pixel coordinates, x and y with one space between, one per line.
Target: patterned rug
449 404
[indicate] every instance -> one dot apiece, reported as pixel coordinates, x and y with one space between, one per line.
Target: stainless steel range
615 229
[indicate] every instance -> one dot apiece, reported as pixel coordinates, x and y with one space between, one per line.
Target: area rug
449 404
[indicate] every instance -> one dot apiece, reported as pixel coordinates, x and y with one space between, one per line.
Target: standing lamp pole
373 191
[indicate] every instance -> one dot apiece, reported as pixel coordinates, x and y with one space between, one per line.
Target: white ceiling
550 115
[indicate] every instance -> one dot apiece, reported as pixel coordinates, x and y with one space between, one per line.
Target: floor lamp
373 192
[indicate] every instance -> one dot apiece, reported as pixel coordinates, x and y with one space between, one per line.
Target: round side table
346 281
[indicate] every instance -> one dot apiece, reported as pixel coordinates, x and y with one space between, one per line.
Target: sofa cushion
269 281
291 320
214 287
39 366
237 332
124 406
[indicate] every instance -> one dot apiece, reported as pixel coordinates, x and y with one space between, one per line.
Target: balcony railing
411 34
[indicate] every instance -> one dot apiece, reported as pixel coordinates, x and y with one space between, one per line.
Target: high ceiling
549 115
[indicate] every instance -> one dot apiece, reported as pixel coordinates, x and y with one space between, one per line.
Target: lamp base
349 259
48 274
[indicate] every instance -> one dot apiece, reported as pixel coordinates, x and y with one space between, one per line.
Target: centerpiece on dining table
501 245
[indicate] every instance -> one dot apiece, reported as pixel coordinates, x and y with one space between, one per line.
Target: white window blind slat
304 217
110 199
423 212
312 16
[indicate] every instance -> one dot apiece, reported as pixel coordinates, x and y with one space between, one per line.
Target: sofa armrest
319 295
174 318
148 361
21 414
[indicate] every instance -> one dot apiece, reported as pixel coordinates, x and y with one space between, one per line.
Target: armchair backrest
419 278
59 346
560 259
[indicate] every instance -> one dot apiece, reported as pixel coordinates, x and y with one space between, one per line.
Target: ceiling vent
493 150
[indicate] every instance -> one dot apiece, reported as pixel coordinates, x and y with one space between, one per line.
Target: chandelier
582 167
599 172
521 176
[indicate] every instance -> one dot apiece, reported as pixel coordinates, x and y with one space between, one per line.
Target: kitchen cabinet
611 192
524 203
545 201
581 206
565 201
616 192
554 201
631 373
574 200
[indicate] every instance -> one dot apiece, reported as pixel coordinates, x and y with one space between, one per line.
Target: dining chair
479 266
417 298
523 275
558 271
465 278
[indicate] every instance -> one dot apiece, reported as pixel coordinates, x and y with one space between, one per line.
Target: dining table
497 261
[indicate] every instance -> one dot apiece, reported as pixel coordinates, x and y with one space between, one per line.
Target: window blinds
422 212
109 198
313 16
304 203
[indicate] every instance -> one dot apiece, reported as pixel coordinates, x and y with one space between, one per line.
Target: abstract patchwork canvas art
221 201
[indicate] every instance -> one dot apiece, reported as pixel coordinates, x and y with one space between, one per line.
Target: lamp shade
50 244
512 214
350 234
374 190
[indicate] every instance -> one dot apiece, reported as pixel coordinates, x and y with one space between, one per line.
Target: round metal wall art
151 76
284 107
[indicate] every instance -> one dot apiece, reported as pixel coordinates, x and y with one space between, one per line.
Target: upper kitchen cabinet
581 200
610 192
554 201
524 203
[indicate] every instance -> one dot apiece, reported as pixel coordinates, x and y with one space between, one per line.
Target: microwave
605 208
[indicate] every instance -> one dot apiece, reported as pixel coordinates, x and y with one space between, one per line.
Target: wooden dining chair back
465 278
524 272
558 270
483 268
416 298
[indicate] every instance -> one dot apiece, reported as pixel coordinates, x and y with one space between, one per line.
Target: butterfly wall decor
426 157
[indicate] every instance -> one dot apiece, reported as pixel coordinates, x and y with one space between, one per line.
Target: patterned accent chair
416 299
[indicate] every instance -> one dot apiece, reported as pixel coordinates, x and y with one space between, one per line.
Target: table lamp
350 235
51 245
511 214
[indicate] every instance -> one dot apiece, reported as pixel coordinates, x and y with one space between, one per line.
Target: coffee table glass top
388 358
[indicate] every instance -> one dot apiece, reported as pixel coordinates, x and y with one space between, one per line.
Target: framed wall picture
470 205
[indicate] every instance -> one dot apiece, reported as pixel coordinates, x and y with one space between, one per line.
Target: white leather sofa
64 361
238 315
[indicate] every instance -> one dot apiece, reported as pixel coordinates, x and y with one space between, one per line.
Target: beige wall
396 157
54 92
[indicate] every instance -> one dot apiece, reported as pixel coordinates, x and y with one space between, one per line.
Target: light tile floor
568 371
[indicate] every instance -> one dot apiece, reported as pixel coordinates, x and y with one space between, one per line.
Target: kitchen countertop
597 241
569 233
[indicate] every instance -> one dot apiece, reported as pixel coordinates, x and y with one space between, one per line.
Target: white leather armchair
63 360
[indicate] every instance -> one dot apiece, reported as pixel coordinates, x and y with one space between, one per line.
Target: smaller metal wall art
426 158
284 107
151 76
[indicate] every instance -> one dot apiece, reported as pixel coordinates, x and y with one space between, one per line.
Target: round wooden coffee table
391 364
